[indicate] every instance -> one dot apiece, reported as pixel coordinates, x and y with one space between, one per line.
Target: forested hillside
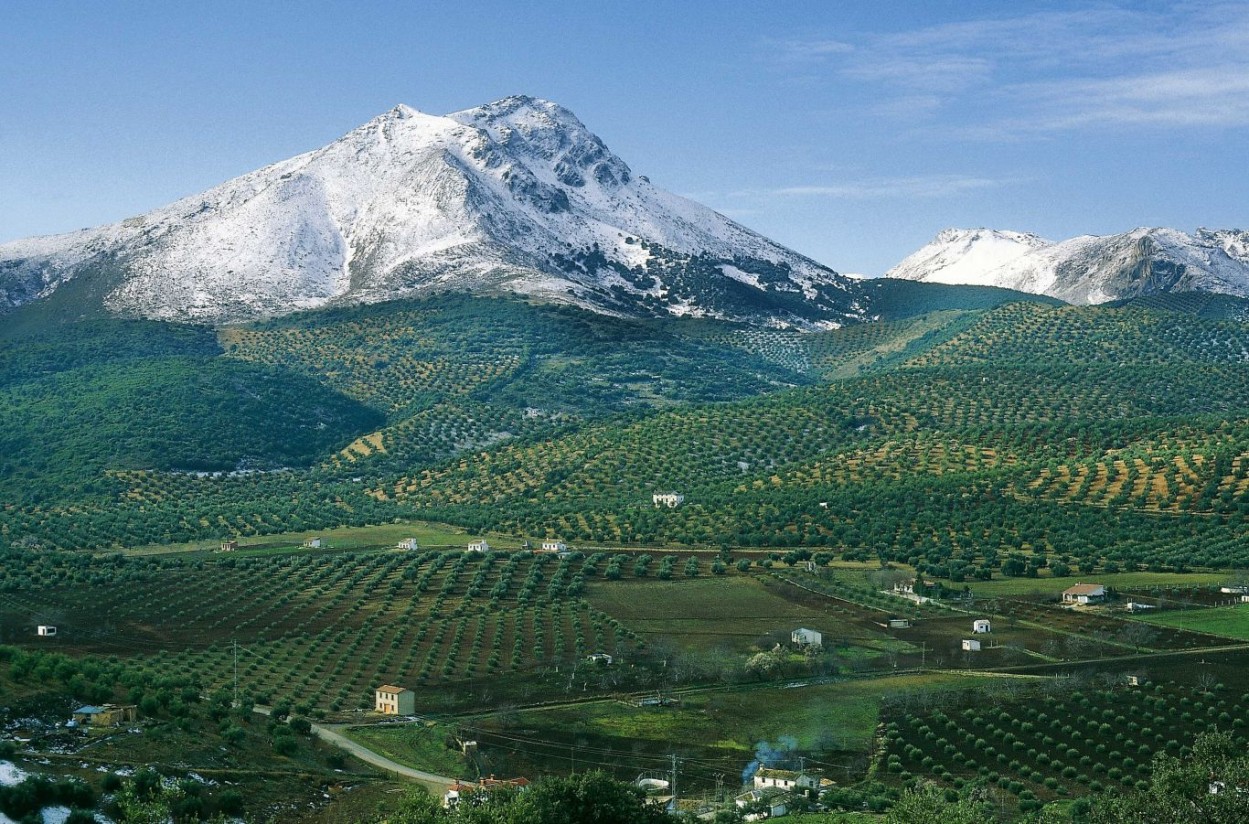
956 438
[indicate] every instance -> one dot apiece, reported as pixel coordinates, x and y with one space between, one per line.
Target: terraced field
1058 743
1034 333
1187 470
1096 439
326 626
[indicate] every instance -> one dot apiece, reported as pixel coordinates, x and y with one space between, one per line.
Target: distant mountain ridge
1087 269
513 196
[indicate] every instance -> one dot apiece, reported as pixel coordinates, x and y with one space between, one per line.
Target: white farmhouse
1084 594
669 499
774 802
803 637
768 778
554 546
410 544
391 700
478 546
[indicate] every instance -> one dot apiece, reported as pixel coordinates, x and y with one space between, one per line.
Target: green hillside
86 402
996 451
956 438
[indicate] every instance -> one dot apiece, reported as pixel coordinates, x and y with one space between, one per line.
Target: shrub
230 802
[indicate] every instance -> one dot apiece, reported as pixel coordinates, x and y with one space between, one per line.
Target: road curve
330 735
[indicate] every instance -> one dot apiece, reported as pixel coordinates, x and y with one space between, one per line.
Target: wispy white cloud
807 51
922 186
1186 65
944 73
1214 96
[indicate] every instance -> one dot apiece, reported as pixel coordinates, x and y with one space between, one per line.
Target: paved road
330 735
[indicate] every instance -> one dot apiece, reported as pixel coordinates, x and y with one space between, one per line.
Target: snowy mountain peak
547 131
1088 268
1234 242
965 255
400 112
956 235
516 195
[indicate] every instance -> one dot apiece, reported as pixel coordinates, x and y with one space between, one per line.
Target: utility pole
236 673
672 805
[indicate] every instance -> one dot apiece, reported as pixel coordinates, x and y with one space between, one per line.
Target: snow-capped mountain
966 256
516 195
1089 268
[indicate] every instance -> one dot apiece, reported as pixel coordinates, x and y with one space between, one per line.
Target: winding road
330 735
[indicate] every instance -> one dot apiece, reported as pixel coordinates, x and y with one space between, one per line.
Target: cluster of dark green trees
577 799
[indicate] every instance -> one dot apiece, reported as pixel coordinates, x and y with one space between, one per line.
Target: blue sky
851 132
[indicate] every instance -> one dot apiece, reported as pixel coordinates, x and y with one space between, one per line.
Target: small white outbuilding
971 645
803 637
981 625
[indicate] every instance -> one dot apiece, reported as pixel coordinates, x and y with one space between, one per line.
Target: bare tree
1138 634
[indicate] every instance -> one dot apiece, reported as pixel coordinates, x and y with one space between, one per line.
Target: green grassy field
1049 586
734 611
351 538
1229 622
840 715
715 733
423 746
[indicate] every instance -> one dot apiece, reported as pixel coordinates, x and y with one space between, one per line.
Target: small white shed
981 625
47 631
971 645
803 637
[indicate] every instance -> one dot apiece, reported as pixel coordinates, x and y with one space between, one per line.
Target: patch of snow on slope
11 774
740 276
